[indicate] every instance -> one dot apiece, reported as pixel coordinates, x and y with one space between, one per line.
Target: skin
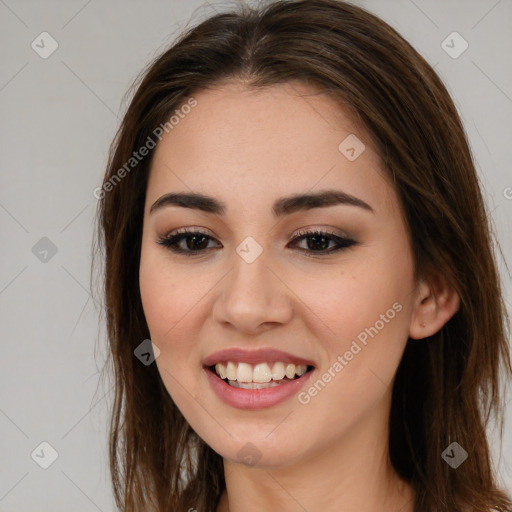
248 147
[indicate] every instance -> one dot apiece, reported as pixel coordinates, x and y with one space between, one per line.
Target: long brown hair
447 387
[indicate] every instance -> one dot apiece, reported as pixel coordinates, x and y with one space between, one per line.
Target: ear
436 302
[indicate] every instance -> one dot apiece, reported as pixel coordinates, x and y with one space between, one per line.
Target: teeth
300 369
230 370
290 371
252 385
261 373
221 370
278 371
244 372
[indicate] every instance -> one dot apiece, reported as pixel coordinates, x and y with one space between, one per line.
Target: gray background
59 115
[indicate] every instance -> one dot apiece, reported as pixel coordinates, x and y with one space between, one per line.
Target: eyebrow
282 206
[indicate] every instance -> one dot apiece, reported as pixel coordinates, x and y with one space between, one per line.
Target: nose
254 297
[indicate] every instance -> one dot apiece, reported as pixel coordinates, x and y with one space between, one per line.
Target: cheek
168 295
347 301
362 315
366 335
157 295
175 303
168 308
165 304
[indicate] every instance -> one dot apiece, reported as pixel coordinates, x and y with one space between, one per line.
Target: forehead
248 145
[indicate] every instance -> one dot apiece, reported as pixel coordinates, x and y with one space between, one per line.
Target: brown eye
318 242
195 242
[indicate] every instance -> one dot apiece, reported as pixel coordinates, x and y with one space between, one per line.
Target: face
329 284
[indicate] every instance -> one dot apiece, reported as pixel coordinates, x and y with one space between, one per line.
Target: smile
259 376
256 395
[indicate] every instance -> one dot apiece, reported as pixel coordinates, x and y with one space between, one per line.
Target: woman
292 216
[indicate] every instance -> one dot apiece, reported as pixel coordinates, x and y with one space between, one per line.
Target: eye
319 240
196 242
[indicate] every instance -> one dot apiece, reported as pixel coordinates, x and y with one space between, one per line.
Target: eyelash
171 241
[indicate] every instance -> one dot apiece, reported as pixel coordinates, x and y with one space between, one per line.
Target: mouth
258 376
256 379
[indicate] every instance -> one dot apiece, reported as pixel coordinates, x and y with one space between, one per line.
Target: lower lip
255 398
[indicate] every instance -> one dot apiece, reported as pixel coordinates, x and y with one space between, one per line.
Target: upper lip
262 355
